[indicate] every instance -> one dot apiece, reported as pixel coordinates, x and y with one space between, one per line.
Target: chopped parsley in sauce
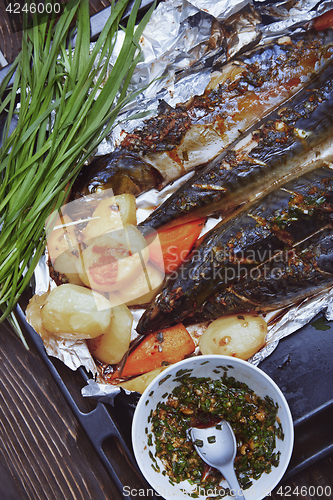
204 402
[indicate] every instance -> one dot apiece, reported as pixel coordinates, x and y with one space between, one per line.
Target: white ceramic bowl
208 366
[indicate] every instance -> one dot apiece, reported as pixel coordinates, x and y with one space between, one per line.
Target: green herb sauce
204 402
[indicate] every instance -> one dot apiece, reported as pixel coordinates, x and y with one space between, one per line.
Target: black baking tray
301 366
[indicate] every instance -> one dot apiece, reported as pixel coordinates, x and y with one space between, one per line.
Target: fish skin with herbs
187 136
287 143
269 256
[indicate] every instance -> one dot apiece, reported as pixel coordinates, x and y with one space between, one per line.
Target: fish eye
95 188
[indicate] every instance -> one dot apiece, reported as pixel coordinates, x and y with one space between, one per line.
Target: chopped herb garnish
199 443
164 379
160 337
184 371
202 401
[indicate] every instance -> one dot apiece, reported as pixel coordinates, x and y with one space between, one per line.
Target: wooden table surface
44 451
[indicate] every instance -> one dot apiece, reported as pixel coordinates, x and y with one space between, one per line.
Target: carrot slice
164 346
176 243
324 21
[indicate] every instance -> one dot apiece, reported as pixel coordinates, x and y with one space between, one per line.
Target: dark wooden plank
98 5
42 446
10 42
313 483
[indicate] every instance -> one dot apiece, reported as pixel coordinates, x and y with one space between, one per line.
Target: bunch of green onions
64 107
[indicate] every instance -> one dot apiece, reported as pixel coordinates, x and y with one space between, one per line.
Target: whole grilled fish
290 141
190 134
267 257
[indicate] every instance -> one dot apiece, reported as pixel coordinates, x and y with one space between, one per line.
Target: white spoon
217 447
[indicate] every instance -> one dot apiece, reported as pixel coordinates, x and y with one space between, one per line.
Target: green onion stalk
64 103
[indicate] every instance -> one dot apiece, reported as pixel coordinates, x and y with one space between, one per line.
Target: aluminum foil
292 320
179 40
288 14
177 36
176 44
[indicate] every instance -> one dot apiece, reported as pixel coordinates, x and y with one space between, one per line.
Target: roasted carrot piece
176 243
164 346
324 21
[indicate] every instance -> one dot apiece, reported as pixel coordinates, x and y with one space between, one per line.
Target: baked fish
269 256
246 89
186 136
290 141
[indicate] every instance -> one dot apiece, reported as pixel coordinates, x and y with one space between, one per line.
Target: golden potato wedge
33 315
72 311
61 238
111 214
113 344
144 288
65 264
239 335
140 383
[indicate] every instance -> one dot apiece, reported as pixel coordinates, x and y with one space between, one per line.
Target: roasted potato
33 315
140 383
239 335
113 260
65 264
144 288
113 344
61 238
111 214
72 311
